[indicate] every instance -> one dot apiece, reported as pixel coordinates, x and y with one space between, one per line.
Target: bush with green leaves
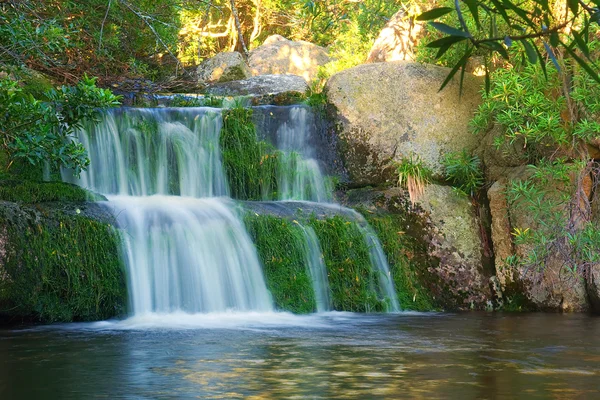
41 130
536 31
536 113
555 226
464 171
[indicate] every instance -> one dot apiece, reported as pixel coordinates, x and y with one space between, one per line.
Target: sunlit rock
281 56
223 67
397 40
386 111
264 85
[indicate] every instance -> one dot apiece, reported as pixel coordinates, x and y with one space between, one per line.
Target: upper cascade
293 130
141 152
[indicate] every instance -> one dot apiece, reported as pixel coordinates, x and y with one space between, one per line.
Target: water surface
333 355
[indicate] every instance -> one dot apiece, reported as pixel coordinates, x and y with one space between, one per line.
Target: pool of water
333 355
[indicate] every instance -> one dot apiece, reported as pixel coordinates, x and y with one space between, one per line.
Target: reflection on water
335 355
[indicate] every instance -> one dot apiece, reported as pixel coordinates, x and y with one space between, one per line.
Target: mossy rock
56 266
41 192
280 248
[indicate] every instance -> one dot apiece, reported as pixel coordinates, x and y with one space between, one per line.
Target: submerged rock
223 67
278 55
387 111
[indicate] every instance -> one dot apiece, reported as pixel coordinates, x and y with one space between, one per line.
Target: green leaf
448 40
578 39
582 63
455 69
449 30
573 6
541 59
472 5
495 46
531 53
554 39
435 13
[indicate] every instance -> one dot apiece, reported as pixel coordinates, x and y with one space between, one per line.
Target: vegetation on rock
59 267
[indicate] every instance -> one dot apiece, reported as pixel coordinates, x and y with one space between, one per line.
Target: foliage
413 175
464 171
351 277
540 30
251 165
61 268
279 243
186 101
40 192
41 130
67 38
557 229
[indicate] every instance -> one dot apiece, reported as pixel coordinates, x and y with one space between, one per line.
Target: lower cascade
188 254
317 269
185 244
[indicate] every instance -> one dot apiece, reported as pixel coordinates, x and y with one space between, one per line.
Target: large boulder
224 67
281 56
397 40
551 287
456 240
446 229
263 88
386 111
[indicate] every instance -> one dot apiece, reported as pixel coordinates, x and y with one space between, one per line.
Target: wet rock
280 56
386 111
223 67
263 86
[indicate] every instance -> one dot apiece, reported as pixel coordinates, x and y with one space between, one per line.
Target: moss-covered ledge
26 191
59 262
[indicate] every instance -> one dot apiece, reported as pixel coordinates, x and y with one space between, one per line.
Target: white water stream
186 248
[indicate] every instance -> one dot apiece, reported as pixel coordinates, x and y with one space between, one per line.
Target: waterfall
316 266
140 152
300 176
185 249
185 246
189 254
379 261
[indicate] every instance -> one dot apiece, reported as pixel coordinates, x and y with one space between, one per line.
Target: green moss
251 165
352 280
408 269
60 268
39 192
279 243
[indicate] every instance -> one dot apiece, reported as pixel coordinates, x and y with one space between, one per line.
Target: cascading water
379 261
186 248
189 254
300 176
316 266
184 253
140 152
